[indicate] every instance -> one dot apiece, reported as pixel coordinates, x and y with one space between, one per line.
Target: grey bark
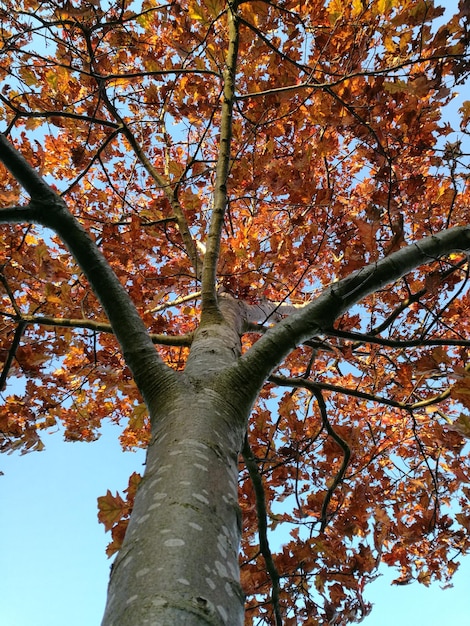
179 561
309 321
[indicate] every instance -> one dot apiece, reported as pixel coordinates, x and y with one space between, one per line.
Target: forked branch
316 390
346 455
162 183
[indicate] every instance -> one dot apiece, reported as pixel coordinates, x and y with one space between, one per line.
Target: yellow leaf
465 111
424 578
31 239
335 9
214 7
54 299
28 75
137 419
357 7
195 12
383 6
115 82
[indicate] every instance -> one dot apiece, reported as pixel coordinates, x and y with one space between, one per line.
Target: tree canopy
292 165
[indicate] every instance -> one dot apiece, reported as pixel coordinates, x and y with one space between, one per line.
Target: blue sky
53 565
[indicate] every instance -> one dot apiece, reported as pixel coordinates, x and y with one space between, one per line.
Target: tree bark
179 560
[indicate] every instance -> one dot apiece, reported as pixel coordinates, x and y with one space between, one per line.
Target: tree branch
101 327
284 381
209 271
164 185
315 389
413 297
48 209
254 367
256 480
26 175
362 338
168 305
11 353
19 112
342 444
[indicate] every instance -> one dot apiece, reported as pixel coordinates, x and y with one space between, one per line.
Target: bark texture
179 561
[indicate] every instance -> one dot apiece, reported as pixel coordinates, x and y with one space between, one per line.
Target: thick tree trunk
179 560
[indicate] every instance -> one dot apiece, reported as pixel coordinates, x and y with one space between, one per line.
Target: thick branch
48 209
209 272
255 315
317 317
22 171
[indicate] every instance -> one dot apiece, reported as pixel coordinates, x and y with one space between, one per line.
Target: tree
241 228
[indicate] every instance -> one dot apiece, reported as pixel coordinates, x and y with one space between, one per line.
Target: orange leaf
111 509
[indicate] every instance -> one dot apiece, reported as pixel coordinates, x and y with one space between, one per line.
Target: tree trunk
179 560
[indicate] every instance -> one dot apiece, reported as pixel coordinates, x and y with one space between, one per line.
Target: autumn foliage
345 146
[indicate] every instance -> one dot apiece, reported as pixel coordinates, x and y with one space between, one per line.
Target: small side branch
161 181
342 444
256 480
101 327
282 381
22 113
362 338
316 390
435 490
176 302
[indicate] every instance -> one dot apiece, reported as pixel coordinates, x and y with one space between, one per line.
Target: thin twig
394 343
168 305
